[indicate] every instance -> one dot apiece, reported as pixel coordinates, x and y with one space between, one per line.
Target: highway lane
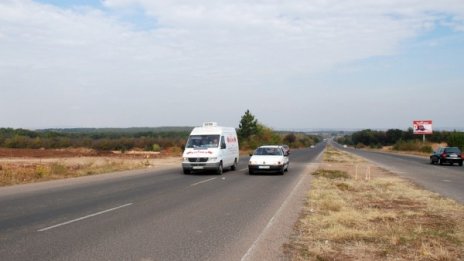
445 180
145 215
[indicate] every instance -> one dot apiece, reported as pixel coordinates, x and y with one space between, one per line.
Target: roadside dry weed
19 171
374 217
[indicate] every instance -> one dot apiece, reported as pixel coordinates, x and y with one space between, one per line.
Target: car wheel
282 171
286 169
186 171
219 169
250 172
460 163
234 167
440 162
432 161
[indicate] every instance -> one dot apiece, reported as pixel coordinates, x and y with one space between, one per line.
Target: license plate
264 167
453 156
197 167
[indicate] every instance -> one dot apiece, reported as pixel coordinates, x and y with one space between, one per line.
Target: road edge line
250 250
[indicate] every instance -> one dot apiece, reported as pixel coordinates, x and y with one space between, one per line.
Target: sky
295 64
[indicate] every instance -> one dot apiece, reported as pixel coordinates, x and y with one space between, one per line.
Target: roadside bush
156 148
41 171
406 145
58 169
289 138
412 145
426 148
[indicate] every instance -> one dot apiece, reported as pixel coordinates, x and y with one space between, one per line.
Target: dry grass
27 170
390 149
370 214
333 155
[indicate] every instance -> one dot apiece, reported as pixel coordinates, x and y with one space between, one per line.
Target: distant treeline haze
149 139
402 140
98 139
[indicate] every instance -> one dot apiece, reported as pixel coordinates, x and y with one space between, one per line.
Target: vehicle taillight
443 155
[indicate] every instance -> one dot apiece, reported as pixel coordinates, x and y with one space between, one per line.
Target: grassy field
26 166
358 211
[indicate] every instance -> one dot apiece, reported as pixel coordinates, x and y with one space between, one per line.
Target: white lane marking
198 183
446 180
82 218
243 169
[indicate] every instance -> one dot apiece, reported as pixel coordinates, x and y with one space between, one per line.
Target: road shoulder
269 244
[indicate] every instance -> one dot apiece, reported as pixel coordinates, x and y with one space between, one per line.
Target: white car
270 158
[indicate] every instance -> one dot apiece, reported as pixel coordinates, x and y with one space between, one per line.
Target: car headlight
212 159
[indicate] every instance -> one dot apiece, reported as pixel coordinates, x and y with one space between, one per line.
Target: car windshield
203 141
268 151
452 150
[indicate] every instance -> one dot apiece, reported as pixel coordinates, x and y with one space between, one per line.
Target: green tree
248 126
290 138
393 135
456 139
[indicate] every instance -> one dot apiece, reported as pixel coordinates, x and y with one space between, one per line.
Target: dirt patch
49 153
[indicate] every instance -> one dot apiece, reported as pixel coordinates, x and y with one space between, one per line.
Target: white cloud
195 48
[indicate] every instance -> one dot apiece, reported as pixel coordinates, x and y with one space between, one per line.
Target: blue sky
294 64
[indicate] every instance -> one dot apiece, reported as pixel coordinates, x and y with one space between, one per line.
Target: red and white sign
422 127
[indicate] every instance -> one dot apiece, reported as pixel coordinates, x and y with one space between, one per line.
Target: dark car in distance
449 155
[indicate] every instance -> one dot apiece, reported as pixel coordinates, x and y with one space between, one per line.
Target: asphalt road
446 180
145 215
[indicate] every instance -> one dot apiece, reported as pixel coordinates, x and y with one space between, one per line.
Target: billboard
422 127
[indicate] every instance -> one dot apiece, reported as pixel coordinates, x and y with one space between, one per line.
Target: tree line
401 139
253 134
114 139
